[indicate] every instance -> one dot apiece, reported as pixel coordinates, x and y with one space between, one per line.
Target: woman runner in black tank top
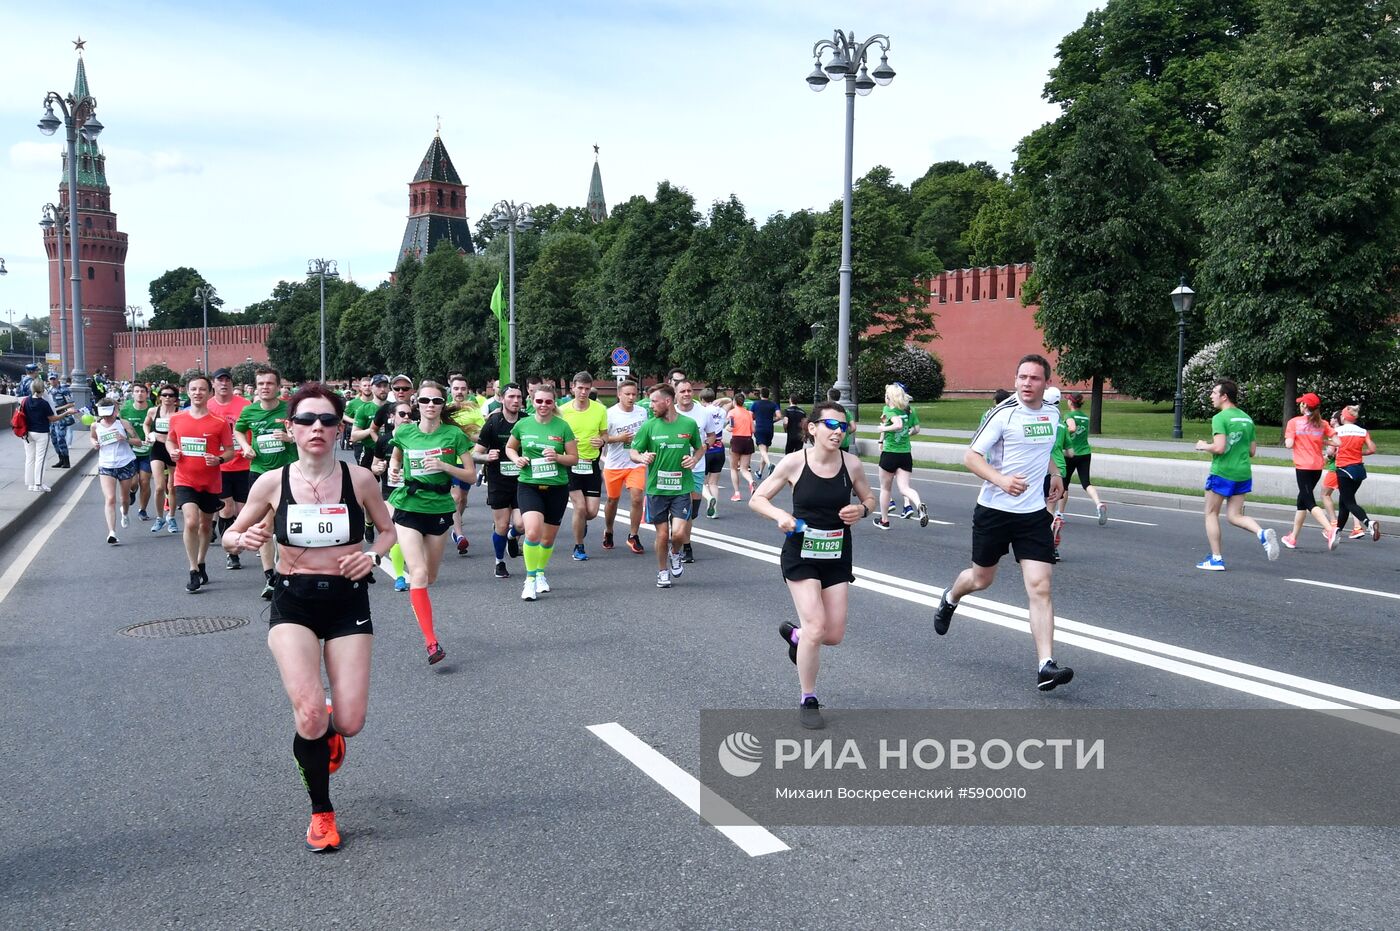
816 558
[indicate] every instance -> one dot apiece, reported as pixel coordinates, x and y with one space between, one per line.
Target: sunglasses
306 420
403 387
433 401
833 424
539 401
166 395
403 413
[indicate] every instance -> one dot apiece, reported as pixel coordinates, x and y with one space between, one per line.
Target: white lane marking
1232 674
1111 520
1348 588
36 543
752 838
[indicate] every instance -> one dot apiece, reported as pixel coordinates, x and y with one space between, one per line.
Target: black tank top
819 501
354 513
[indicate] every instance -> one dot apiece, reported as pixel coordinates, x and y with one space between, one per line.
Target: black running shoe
785 630
1051 675
810 715
195 581
607 540
634 543
203 574
233 562
944 615
436 653
513 546
501 571
686 554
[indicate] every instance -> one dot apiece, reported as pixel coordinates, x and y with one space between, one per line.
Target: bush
921 373
155 374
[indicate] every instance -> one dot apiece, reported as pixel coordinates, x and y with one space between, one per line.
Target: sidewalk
19 505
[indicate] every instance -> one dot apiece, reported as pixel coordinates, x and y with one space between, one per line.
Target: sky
243 139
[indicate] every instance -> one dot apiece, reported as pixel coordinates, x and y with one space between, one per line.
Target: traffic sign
621 356
621 371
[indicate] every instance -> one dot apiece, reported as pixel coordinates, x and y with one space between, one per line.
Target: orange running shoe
336 741
322 836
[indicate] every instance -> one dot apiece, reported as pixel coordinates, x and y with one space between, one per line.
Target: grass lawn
1137 420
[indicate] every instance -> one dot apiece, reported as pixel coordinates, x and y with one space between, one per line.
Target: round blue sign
620 356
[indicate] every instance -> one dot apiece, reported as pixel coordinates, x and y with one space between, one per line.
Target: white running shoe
1269 538
126 519
529 592
1103 514
663 579
676 568
541 583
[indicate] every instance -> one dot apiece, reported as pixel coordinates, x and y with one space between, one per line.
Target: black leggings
1307 481
1349 508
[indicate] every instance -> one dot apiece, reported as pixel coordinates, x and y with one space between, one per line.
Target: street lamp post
136 315
78 116
322 268
848 60
12 329
1182 299
53 219
204 292
816 364
510 216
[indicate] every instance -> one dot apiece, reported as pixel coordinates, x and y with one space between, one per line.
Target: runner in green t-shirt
261 432
426 456
1081 454
542 445
465 413
898 422
133 414
1230 477
589 421
1057 456
669 444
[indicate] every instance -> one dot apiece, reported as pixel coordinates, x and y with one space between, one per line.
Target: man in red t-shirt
234 492
199 442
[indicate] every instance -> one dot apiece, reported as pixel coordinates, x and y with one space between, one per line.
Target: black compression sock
314 762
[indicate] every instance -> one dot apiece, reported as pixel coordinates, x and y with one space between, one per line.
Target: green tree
451 306
1109 234
1000 233
769 328
397 339
699 292
1304 206
174 305
553 304
294 346
357 349
244 372
156 373
945 202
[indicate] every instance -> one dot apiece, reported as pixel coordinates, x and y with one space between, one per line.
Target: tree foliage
157 373
174 305
554 304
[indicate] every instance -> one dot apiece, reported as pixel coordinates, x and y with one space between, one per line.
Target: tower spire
597 206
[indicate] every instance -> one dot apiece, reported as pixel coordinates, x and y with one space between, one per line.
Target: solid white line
751 837
1348 588
36 543
1111 520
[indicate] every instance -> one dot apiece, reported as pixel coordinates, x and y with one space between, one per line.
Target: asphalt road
149 782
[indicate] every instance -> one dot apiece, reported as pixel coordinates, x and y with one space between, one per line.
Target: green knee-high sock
545 553
532 558
396 557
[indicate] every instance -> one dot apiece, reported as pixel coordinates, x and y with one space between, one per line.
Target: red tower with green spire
437 206
101 250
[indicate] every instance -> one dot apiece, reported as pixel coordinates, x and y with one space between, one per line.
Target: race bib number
108 437
543 468
416 464
268 444
509 469
141 450
823 544
193 445
1040 430
582 468
313 525
668 482
162 424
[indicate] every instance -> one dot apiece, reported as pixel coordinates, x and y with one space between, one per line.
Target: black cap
222 373
379 380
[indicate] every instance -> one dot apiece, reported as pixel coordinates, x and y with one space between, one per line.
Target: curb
26 514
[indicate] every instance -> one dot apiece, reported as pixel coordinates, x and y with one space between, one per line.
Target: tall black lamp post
1182 299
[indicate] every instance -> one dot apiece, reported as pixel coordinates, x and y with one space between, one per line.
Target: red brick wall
182 349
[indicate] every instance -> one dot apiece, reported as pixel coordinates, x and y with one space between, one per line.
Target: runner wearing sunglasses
427 456
543 447
162 466
502 477
816 558
262 433
316 508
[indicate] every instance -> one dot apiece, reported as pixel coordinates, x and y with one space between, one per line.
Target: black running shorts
330 606
994 532
207 501
893 462
236 486
591 484
429 525
500 492
1079 464
550 500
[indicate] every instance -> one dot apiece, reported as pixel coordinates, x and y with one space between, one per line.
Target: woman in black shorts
816 557
162 467
320 605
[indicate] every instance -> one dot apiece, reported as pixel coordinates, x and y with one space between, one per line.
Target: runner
619 471
817 554
1010 452
426 456
714 450
705 419
1058 453
588 419
740 444
316 510
116 464
542 446
1081 455
365 398
464 413
235 471
402 412
502 477
897 422
199 442
162 466
1307 435
1354 443
766 413
669 445
1231 475
133 414
794 419
262 434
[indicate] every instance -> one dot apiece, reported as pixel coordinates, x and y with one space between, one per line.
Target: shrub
920 371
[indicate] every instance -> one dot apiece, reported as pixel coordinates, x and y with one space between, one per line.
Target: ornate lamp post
1182 299
322 268
53 219
847 59
204 292
510 216
79 116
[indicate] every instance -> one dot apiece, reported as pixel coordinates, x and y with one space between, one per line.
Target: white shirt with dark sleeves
1017 440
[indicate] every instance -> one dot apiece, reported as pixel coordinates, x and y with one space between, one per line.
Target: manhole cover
184 626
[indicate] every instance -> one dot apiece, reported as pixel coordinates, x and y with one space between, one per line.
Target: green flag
502 329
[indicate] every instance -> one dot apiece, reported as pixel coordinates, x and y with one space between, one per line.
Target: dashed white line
1347 588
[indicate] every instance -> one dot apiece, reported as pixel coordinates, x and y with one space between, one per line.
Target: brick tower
437 206
101 249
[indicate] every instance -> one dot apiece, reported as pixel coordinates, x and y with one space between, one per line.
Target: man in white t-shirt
619 471
1010 452
704 419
